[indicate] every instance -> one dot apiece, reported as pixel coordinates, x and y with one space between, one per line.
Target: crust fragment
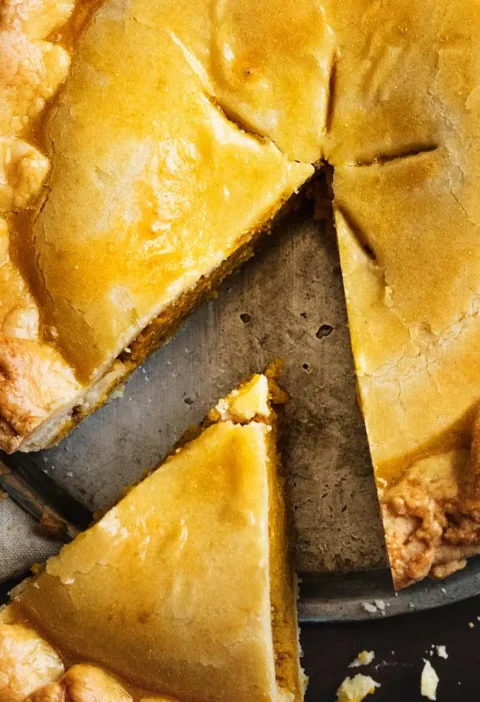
32 379
83 683
26 662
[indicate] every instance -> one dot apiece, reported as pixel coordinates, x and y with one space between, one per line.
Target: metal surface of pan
287 302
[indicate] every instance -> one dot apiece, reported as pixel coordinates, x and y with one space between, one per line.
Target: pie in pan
183 591
146 145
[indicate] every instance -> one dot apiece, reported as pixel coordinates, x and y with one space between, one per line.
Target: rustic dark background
400 644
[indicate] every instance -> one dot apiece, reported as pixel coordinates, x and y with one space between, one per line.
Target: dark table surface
401 644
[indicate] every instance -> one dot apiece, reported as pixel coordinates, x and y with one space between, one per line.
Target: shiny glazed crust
182 591
405 143
80 296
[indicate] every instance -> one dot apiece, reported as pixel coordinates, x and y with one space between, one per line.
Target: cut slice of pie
182 591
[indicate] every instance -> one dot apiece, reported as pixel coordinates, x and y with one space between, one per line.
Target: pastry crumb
429 681
222 408
117 392
369 607
356 689
441 651
363 658
471 625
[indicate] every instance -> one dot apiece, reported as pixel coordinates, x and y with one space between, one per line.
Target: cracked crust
34 378
27 662
82 683
33 384
432 514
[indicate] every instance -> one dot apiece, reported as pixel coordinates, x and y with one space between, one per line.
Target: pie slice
182 591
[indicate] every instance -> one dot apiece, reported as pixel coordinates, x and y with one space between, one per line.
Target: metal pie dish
287 302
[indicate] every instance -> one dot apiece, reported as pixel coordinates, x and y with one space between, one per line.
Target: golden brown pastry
26 662
153 192
82 683
181 592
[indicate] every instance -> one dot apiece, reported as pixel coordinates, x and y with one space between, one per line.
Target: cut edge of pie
55 426
58 633
428 492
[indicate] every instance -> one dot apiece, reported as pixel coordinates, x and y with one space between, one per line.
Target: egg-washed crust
34 379
30 664
41 398
158 332
405 144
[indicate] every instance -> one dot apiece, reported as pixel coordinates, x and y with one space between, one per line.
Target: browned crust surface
32 379
20 633
36 40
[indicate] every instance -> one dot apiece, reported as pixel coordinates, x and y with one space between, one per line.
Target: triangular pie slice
183 590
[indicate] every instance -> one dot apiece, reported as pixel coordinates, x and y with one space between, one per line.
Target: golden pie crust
407 213
181 591
141 206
